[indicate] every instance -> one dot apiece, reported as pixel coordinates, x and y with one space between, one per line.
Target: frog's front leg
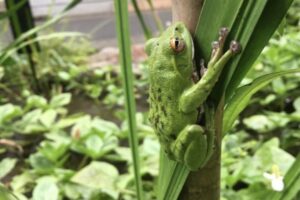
190 147
198 93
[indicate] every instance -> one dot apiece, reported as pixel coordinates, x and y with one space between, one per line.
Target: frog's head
174 49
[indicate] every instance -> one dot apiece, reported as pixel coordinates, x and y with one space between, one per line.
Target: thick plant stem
205 183
187 11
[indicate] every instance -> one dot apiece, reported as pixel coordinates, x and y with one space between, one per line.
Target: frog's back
170 70
164 94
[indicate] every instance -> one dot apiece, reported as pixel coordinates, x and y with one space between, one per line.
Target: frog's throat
174 64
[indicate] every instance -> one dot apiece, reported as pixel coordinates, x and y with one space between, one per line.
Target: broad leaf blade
270 19
207 29
243 94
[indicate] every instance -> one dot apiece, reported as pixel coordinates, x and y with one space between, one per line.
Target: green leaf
267 155
95 145
46 189
122 26
20 182
254 191
9 112
146 30
243 94
82 127
40 163
150 153
98 175
172 176
94 138
264 29
266 123
36 101
6 166
48 118
292 183
1 72
60 100
64 75
68 121
53 150
296 104
5 194
107 127
207 29
30 117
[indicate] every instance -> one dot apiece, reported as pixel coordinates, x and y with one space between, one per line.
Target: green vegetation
51 151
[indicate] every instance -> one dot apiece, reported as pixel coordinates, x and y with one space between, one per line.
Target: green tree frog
175 98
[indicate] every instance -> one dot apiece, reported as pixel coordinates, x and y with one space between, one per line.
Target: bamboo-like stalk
187 11
27 33
21 20
126 67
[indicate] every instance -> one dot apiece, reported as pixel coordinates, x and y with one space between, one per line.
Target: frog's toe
235 47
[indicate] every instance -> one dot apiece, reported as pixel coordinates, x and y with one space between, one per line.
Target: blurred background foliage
69 141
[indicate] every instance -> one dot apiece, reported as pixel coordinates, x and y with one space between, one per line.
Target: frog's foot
190 147
217 46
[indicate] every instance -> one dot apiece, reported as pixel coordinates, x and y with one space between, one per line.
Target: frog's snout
149 46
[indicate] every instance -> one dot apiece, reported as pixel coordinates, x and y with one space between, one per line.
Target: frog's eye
177 45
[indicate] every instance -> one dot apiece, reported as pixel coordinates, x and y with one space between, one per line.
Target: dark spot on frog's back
182 66
161 124
173 136
159 98
163 109
156 120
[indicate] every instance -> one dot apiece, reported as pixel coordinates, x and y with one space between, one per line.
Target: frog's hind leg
190 147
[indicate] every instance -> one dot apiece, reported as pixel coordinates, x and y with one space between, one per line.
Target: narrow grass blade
242 96
147 32
42 38
156 17
172 176
28 34
126 67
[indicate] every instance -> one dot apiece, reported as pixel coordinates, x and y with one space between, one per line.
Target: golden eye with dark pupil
176 44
